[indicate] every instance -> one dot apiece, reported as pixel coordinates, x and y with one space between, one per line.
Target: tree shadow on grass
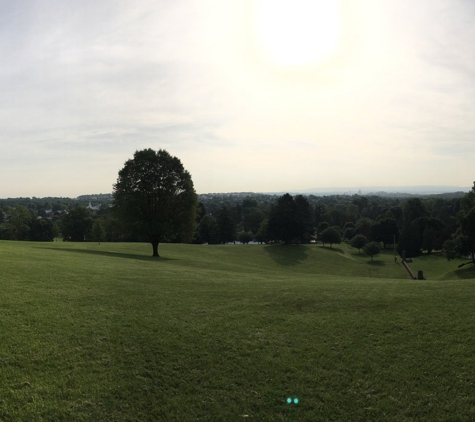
376 263
332 249
112 254
465 273
287 255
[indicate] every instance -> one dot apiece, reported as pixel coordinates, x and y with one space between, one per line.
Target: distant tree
352 212
76 224
319 213
56 230
226 225
358 242
252 219
281 224
349 230
207 230
20 220
412 209
262 235
330 235
41 230
245 237
98 232
321 227
57 207
371 249
6 231
337 216
385 230
249 203
290 218
414 217
466 233
410 240
363 226
115 230
303 218
449 249
200 211
428 239
467 226
154 197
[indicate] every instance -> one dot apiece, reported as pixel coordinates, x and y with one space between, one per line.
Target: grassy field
228 333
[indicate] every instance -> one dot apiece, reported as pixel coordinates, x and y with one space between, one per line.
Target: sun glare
297 32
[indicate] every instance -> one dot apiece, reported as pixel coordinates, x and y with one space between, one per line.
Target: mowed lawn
104 332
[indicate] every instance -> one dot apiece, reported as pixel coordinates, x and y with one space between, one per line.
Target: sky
251 95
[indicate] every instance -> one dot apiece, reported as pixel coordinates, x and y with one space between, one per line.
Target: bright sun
298 32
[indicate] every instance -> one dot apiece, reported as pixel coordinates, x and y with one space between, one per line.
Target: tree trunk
155 248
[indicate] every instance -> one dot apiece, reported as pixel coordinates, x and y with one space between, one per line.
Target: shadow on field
332 249
376 263
113 254
465 273
287 255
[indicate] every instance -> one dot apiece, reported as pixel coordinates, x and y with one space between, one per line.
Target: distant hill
394 191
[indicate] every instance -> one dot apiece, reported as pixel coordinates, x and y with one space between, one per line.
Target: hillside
105 332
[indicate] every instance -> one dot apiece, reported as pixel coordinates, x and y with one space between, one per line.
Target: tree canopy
155 198
76 225
465 235
290 218
358 241
371 249
330 235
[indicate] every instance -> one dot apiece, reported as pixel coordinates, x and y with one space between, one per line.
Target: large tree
304 218
281 225
290 218
154 197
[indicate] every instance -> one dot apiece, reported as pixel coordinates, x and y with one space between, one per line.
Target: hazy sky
251 95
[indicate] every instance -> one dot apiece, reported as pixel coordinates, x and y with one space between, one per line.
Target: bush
245 237
372 248
359 241
330 235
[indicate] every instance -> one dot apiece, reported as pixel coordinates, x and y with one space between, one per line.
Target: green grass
214 333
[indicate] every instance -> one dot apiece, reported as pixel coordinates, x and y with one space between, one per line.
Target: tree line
154 201
417 224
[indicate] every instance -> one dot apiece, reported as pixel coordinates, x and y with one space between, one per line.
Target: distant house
93 209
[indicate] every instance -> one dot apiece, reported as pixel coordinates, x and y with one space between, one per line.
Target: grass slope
223 333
